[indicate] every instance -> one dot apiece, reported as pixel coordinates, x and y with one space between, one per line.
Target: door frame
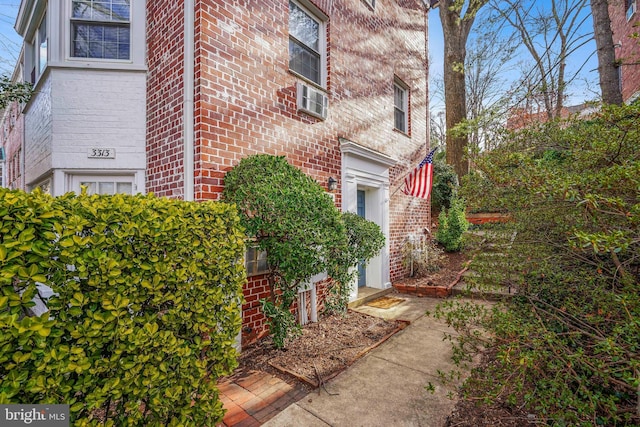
366 169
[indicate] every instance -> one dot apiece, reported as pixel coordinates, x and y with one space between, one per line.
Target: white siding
37 135
104 109
74 110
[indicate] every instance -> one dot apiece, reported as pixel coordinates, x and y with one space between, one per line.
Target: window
42 42
101 29
37 52
101 184
306 44
631 8
371 3
256 261
401 106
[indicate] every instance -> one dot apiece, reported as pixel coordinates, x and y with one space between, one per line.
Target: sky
10 41
10 44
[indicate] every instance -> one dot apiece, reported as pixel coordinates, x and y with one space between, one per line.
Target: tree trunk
455 29
607 67
455 105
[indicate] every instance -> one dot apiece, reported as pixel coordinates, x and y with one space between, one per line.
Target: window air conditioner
312 101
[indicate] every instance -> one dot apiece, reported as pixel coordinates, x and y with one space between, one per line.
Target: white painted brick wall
78 109
38 135
104 109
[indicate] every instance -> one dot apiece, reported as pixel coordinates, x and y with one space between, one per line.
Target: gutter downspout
188 103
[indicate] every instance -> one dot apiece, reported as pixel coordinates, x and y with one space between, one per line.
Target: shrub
146 306
566 347
365 240
445 184
452 224
292 218
421 256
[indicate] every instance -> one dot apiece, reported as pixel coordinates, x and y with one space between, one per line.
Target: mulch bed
323 350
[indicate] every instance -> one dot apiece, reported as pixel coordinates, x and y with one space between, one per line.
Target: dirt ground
326 348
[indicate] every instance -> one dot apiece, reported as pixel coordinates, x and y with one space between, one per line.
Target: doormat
385 302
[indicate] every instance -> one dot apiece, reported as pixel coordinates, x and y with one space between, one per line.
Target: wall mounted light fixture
332 184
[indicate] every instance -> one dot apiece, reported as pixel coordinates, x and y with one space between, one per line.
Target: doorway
361 211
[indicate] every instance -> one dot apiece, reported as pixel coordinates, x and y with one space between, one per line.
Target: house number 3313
101 153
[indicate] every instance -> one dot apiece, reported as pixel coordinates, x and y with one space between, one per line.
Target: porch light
332 184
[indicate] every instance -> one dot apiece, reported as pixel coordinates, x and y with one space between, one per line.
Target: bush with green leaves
445 183
13 91
294 220
365 240
145 308
452 224
566 346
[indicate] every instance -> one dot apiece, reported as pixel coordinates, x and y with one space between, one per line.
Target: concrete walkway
387 387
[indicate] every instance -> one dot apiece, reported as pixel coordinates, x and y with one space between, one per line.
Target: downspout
188 103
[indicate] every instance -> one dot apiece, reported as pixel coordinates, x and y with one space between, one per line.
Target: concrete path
387 387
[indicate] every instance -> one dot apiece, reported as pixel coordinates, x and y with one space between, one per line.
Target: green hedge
146 305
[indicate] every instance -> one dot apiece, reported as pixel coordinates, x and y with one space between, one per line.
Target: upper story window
36 52
401 106
371 3
42 45
101 29
307 54
631 8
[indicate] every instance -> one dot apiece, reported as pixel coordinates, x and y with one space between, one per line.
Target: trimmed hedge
146 305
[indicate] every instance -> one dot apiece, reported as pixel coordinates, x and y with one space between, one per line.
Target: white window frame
631 9
89 21
399 87
321 19
78 179
36 56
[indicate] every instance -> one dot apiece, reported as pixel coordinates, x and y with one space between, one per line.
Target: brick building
85 123
11 137
336 86
625 22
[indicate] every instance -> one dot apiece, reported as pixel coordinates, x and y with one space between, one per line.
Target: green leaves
291 217
13 91
133 298
567 344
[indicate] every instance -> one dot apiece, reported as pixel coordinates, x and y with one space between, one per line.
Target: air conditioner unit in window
312 101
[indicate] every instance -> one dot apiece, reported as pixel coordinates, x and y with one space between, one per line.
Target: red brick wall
165 46
245 99
12 140
628 49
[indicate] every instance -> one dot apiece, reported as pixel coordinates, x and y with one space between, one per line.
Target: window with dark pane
400 107
305 57
256 261
101 29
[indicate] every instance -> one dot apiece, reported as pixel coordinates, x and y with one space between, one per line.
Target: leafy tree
291 218
11 91
566 346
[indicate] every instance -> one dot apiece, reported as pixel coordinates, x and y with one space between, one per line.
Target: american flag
418 182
